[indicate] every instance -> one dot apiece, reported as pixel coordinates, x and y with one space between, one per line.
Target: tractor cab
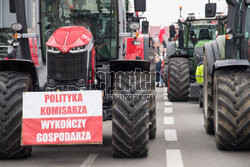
199 31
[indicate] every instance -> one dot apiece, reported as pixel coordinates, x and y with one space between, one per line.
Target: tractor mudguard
231 63
212 53
25 66
129 65
221 40
170 48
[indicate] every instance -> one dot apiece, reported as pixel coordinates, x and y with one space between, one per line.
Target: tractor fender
170 48
231 63
17 65
212 54
221 40
129 65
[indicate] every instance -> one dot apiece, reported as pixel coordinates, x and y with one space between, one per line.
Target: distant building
154 33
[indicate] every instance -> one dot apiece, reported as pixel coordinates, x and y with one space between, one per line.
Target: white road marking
170 135
165 90
168 103
174 158
168 110
90 160
165 94
165 98
168 120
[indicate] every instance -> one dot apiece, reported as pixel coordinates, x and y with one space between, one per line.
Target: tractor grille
67 66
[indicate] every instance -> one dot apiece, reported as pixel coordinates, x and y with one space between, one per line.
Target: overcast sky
165 12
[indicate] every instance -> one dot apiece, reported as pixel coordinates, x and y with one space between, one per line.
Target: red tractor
82 46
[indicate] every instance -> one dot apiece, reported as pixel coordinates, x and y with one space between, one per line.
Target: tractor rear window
201 32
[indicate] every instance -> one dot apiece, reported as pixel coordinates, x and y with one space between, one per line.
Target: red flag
162 32
176 37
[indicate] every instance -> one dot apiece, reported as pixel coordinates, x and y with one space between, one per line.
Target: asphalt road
181 141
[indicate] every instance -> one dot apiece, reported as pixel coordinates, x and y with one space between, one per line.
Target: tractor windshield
200 32
99 16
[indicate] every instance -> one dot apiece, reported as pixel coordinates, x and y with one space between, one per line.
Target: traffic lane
199 149
157 147
75 156
44 156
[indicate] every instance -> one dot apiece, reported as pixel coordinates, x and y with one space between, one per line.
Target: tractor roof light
17 26
135 26
191 17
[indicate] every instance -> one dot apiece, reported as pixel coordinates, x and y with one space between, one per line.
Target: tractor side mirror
129 16
145 27
140 5
172 31
210 10
12 4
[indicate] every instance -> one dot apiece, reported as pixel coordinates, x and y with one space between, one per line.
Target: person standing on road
158 70
199 73
162 67
199 79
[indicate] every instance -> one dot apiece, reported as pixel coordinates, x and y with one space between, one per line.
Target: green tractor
208 31
227 81
183 55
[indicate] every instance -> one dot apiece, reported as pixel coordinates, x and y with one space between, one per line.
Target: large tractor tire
130 117
208 99
201 99
152 111
232 109
165 75
12 86
178 87
152 119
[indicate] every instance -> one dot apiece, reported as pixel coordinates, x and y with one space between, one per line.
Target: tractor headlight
77 49
15 44
134 26
248 2
16 26
53 49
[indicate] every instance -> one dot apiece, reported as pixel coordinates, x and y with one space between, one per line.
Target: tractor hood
66 38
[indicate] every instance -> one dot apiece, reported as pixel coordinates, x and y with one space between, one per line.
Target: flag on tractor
162 32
